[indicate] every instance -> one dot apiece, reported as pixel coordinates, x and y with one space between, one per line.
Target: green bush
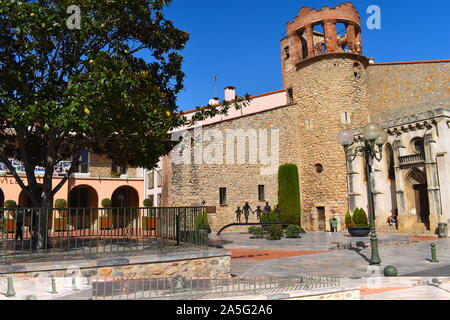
202 222
60 204
275 232
148 203
10 204
293 231
257 232
106 203
348 219
289 193
360 218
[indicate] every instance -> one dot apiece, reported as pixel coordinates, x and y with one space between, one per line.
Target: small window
286 52
345 118
319 168
158 197
151 179
417 145
223 196
261 193
290 95
309 124
159 178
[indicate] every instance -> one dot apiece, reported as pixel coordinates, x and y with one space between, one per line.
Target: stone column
329 28
432 173
351 37
399 183
310 40
358 43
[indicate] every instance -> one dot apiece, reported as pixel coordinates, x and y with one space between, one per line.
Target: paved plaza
333 254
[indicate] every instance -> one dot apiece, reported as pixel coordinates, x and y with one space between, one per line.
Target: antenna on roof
216 76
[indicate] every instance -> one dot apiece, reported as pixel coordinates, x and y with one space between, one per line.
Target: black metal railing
123 288
31 234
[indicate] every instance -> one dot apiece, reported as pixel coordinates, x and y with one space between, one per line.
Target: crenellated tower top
318 32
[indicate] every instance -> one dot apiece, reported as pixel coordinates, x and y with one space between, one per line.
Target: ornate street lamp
373 137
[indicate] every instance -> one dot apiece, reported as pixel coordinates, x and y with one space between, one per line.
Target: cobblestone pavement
319 255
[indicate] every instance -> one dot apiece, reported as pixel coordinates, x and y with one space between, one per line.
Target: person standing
334 223
19 217
258 213
267 210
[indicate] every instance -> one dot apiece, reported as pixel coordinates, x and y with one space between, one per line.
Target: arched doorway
418 203
2 198
125 200
82 199
25 201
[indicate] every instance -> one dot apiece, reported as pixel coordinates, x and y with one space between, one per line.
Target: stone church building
328 85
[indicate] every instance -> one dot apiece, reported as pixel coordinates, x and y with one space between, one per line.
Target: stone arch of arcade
125 200
83 199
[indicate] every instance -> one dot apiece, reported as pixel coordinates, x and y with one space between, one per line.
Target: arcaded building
328 85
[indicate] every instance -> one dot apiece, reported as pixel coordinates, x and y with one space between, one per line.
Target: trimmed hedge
360 217
10 204
274 232
289 193
106 203
60 203
202 222
293 231
348 219
148 203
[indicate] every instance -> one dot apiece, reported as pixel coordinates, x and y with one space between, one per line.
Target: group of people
246 209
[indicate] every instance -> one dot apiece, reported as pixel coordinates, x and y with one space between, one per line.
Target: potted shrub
359 225
148 222
256 232
105 218
61 219
293 231
274 232
9 218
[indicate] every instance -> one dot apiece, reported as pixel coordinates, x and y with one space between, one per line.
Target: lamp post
373 137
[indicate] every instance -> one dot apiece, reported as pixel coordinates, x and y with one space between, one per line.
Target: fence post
10 292
178 225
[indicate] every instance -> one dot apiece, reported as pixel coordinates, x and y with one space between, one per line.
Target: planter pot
105 223
148 223
9 226
359 231
61 224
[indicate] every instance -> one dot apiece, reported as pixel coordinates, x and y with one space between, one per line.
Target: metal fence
30 234
120 288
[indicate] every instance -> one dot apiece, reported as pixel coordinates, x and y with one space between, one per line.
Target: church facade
328 85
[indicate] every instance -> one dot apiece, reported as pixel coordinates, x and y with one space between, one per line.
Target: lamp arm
380 152
358 151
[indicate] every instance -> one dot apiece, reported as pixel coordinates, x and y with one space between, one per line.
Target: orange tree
66 89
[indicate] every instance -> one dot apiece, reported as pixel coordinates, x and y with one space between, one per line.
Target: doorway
321 218
422 204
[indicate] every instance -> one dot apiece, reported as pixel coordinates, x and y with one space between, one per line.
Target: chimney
214 101
230 93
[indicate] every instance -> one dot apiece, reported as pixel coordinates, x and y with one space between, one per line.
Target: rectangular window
159 178
152 198
158 200
151 179
290 95
223 196
345 118
261 193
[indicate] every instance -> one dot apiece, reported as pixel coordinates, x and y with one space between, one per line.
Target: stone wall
397 90
99 166
210 263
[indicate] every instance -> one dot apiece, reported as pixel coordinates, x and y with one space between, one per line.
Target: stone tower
324 74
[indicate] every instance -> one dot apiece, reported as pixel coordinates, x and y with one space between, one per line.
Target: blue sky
240 40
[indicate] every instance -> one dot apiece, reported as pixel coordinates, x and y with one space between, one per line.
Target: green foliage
257 232
348 219
289 193
10 204
63 91
148 203
106 203
60 204
202 222
274 232
293 231
360 217
272 217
